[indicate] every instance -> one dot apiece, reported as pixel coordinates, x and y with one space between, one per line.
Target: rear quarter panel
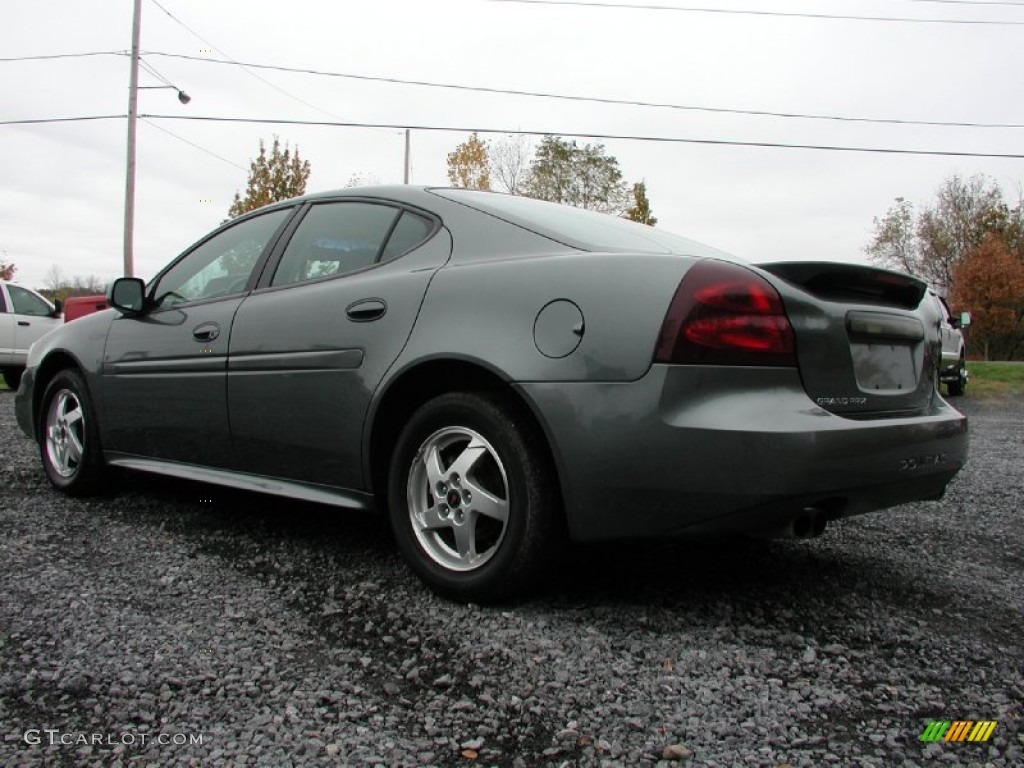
486 312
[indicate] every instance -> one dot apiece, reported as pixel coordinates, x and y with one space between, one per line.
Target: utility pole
129 184
406 156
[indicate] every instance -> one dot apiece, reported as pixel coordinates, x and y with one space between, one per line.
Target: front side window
335 239
27 303
221 266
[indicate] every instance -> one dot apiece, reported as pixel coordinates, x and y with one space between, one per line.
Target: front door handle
365 310
24 323
206 332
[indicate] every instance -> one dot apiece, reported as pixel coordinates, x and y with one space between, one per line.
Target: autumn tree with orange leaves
989 282
468 165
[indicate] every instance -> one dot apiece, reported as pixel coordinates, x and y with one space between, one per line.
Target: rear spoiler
851 283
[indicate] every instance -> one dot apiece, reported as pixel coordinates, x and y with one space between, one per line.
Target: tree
468 165
361 179
964 212
280 176
585 177
59 286
940 237
989 282
7 269
510 161
894 243
55 278
641 208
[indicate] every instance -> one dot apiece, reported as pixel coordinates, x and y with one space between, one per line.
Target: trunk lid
867 341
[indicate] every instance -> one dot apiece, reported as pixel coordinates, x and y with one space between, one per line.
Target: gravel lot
283 634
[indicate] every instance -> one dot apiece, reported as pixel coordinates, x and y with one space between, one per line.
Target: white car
24 317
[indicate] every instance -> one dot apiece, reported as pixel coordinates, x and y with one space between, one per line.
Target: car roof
458 201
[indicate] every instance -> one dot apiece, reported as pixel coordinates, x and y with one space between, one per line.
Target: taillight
724 314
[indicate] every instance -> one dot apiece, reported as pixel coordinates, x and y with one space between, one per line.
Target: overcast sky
62 196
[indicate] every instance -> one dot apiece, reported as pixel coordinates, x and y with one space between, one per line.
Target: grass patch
995 378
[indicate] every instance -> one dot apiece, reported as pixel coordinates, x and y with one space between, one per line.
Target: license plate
884 367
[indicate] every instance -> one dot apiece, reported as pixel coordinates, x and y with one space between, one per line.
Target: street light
133 100
183 97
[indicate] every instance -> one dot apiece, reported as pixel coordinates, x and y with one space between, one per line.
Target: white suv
953 370
24 317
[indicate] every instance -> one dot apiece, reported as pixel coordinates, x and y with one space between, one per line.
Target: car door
309 348
7 323
950 335
31 318
163 374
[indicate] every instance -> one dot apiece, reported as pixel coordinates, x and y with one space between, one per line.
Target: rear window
577 227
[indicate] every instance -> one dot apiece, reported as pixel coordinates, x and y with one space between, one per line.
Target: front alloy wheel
472 500
68 438
65 433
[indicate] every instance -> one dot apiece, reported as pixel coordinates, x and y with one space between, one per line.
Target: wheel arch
53 364
421 382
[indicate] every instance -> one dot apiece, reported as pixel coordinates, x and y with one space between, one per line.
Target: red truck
79 306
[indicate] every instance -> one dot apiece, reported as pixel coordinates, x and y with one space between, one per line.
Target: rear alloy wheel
956 388
472 502
12 377
68 437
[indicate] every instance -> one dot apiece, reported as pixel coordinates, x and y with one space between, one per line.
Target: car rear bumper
689 450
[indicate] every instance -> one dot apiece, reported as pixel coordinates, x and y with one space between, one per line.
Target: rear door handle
365 310
206 332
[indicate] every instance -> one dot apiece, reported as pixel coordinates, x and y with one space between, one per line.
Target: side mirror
127 294
58 308
965 319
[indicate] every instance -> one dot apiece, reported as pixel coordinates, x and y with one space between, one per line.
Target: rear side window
410 231
335 239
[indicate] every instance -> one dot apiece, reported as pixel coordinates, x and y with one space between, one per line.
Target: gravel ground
266 632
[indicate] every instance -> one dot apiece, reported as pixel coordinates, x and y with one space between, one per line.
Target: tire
473 503
68 436
12 377
956 388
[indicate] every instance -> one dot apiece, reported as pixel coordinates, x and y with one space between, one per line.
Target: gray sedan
500 374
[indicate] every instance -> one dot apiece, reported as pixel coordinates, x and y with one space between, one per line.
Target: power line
1009 3
199 37
64 56
784 14
531 94
41 120
193 144
593 99
470 129
244 67
85 118
599 136
149 68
